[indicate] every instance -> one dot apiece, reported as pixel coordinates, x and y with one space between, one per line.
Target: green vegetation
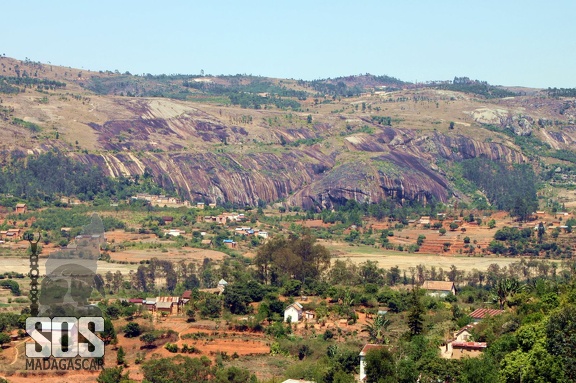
12 84
46 176
480 88
562 92
28 125
517 195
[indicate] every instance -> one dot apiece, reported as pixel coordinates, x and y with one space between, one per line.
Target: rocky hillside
249 139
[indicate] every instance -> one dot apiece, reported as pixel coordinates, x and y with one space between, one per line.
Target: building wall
293 314
458 353
362 368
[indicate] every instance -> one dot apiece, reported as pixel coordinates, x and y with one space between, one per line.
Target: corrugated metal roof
483 313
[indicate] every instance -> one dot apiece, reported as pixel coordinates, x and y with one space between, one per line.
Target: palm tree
504 289
376 329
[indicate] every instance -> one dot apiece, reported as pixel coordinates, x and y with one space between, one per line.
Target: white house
222 285
293 313
365 349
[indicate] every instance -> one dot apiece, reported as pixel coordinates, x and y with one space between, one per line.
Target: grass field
389 258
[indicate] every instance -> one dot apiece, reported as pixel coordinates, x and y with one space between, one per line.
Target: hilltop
247 140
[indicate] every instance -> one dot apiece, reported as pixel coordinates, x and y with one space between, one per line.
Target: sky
506 42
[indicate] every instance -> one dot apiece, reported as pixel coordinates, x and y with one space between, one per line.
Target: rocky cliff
367 147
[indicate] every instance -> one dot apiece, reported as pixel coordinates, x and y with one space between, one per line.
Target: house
186 296
263 234
212 205
13 233
309 315
221 219
479 314
464 334
467 349
200 205
439 288
222 285
298 381
169 305
293 313
21 208
206 242
368 347
424 220
167 219
149 303
136 301
229 243
460 339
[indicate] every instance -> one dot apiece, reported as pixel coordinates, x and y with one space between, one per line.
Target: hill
247 140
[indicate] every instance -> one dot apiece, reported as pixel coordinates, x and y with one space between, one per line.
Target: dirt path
16 352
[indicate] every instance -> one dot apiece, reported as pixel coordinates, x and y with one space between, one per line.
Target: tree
297 258
132 330
113 375
541 231
453 273
504 289
442 231
561 339
149 339
178 369
376 329
109 333
234 375
380 366
491 224
212 307
451 126
453 226
4 338
120 355
416 315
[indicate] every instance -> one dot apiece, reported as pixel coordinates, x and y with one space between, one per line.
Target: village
213 239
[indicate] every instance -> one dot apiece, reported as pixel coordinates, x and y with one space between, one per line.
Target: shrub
171 347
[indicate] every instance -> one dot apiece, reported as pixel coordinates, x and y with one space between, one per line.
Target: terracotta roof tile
369 347
472 345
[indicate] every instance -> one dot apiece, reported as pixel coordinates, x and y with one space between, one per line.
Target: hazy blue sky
528 43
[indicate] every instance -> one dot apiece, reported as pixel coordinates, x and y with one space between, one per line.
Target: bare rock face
390 163
520 124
